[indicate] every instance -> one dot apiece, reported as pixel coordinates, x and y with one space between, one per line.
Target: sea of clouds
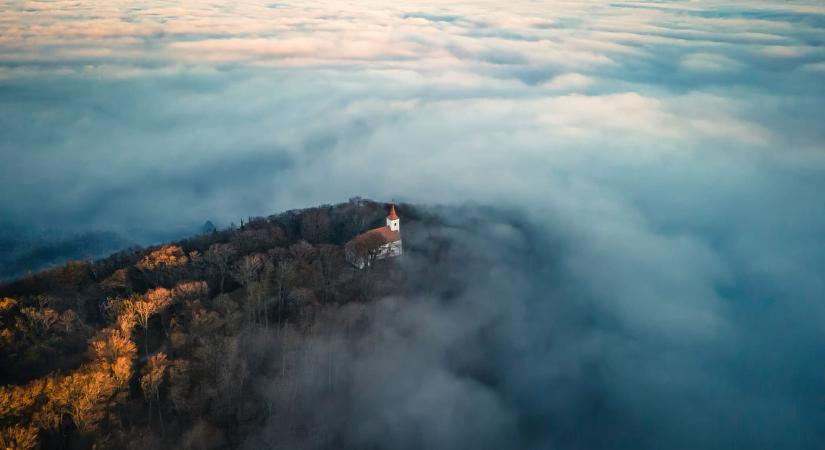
669 158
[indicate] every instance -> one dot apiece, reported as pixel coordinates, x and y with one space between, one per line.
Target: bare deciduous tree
221 256
249 272
329 259
143 307
283 273
151 380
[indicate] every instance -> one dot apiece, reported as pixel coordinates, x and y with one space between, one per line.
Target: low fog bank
520 336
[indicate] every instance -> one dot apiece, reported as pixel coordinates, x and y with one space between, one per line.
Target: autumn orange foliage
115 352
166 256
6 305
146 305
84 395
18 401
153 374
18 437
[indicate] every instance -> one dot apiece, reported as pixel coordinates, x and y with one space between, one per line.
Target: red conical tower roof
392 215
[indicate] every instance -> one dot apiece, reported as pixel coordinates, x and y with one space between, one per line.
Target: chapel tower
393 222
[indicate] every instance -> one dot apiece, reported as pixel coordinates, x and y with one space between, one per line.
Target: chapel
377 243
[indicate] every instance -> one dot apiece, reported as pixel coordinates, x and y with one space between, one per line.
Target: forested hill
205 342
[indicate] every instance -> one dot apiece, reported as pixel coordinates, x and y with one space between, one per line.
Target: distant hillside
20 252
166 347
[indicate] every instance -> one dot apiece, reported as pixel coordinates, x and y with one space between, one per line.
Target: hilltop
167 346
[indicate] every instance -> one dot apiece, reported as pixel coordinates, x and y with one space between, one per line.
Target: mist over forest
614 212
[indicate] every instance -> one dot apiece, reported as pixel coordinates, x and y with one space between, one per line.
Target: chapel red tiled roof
373 238
386 234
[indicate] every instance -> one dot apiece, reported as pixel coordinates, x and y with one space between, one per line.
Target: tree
126 322
69 322
283 273
304 302
190 290
368 246
257 240
152 378
302 252
117 282
329 265
119 312
114 351
18 437
72 276
7 305
315 225
49 417
358 216
177 338
221 256
166 256
36 322
232 372
83 395
157 263
19 401
143 307
179 384
249 271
